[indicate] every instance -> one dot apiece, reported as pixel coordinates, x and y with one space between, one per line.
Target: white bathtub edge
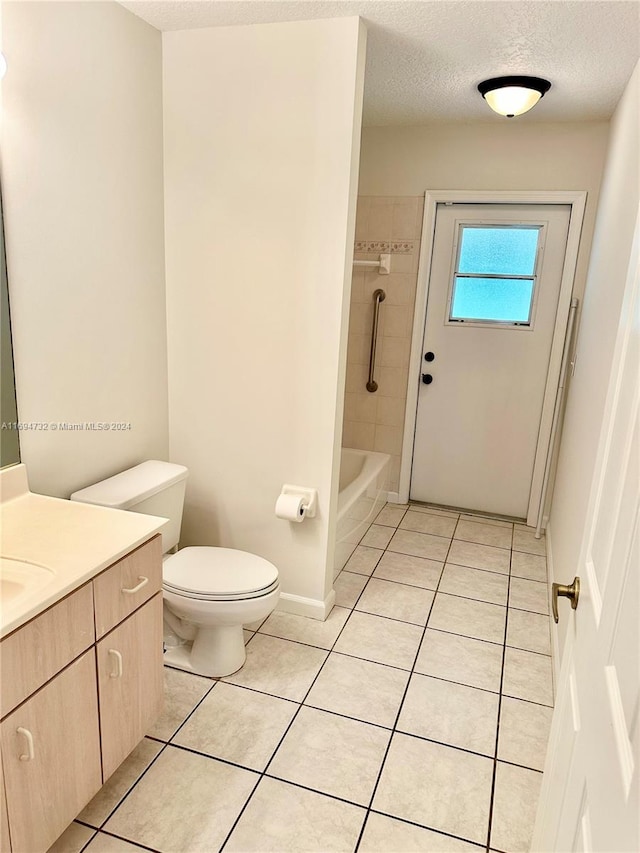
313 608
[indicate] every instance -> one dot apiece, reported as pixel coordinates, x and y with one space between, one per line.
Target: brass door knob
571 592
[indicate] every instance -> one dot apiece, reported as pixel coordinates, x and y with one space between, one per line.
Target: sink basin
18 577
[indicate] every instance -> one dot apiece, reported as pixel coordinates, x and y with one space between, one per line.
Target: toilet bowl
209 593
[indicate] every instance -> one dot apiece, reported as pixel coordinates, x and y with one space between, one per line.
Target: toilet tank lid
128 488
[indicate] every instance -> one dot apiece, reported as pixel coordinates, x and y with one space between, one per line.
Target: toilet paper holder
309 497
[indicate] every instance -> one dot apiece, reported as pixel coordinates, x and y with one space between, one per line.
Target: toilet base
216 651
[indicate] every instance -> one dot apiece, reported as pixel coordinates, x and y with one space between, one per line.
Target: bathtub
362 493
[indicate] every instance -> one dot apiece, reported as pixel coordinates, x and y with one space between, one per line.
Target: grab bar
378 297
556 425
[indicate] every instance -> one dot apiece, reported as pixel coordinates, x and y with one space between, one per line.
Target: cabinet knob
427 378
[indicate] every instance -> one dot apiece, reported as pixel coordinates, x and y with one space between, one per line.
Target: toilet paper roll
290 507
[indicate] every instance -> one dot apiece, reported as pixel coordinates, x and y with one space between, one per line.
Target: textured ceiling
424 59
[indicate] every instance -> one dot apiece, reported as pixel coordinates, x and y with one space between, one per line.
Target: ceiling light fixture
512 96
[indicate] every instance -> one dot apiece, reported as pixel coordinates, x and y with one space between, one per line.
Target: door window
494 280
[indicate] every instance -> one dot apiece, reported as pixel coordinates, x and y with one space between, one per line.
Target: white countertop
74 541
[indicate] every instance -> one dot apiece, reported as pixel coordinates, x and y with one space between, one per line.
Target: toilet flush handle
143 582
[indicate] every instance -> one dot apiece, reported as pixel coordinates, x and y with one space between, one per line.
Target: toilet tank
152 488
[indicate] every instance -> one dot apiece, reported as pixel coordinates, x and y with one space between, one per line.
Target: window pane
496 250
498 299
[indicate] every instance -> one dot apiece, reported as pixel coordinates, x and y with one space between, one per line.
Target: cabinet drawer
36 652
123 587
51 757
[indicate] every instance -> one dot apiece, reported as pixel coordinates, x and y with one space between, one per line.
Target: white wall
498 155
611 250
261 149
82 184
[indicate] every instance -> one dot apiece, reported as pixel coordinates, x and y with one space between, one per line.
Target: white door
491 310
590 797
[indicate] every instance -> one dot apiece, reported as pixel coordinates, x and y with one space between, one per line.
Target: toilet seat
218 574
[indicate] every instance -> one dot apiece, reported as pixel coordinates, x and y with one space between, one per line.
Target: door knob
427 378
571 592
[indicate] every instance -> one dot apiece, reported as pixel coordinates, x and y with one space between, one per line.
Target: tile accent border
395 247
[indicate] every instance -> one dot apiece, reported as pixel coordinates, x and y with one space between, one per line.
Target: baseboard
393 498
555 644
314 608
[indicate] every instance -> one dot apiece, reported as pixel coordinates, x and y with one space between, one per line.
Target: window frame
518 325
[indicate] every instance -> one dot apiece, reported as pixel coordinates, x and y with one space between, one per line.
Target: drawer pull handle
143 582
118 657
29 755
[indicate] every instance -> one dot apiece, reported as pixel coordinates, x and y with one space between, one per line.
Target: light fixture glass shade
512 100
513 96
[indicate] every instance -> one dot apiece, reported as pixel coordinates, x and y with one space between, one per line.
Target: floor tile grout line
423 826
483 544
373 576
193 751
132 787
120 838
366 816
273 754
445 743
476 568
289 726
89 840
381 525
377 663
315 791
156 757
400 706
241 812
495 759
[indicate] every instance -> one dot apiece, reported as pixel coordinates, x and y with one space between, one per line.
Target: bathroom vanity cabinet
81 685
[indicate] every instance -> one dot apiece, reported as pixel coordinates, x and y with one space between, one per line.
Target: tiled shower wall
375 421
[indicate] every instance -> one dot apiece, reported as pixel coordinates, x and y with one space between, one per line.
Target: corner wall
261 150
608 266
83 192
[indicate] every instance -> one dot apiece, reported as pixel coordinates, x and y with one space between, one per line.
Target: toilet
209 593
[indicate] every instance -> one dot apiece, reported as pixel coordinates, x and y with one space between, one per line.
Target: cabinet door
5 842
51 756
130 682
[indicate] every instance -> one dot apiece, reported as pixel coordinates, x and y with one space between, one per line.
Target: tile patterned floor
414 719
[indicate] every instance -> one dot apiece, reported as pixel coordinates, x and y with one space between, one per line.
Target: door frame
577 202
